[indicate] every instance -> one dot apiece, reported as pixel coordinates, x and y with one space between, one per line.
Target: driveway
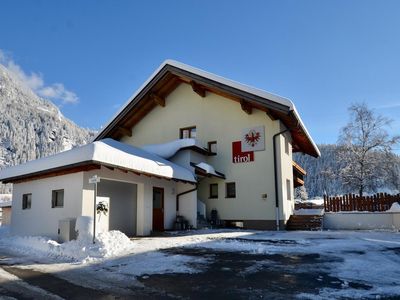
261 265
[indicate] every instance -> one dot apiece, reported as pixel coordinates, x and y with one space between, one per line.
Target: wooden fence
351 202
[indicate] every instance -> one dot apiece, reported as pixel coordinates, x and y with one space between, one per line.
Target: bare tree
361 140
301 193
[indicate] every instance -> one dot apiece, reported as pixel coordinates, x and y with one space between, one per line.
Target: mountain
323 173
32 127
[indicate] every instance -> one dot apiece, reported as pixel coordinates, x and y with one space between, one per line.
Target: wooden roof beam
198 89
124 131
270 114
246 106
158 99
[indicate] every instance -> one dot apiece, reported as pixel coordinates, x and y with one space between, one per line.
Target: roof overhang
171 73
108 153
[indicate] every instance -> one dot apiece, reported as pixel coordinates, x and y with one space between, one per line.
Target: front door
158 209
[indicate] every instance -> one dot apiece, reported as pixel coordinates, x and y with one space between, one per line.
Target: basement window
213 190
230 190
187 132
26 201
57 198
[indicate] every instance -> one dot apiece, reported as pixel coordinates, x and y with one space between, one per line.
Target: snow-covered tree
301 193
364 143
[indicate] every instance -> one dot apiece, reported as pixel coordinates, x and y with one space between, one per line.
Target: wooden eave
298 168
170 77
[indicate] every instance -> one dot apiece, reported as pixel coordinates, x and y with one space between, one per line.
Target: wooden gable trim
198 89
246 107
158 99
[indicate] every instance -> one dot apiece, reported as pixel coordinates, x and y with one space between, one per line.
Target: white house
187 143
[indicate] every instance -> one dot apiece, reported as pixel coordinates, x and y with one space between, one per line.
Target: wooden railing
351 202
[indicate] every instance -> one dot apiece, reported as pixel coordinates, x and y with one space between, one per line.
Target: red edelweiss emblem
252 138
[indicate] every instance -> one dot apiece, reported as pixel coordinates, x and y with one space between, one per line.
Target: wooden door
158 209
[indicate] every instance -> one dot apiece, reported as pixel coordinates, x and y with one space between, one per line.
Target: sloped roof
106 152
172 73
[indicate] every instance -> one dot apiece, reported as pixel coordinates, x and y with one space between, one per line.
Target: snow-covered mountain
32 127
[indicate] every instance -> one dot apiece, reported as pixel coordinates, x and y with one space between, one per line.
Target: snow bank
395 207
108 244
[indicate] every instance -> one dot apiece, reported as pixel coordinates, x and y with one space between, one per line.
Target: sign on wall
241 157
253 139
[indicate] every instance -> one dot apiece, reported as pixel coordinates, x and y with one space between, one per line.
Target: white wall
122 213
188 204
362 221
145 186
41 218
219 119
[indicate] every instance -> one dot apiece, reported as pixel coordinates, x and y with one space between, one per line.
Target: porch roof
107 152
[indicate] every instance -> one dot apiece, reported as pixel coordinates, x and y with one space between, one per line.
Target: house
187 143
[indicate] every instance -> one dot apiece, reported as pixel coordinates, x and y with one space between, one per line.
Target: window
26 201
214 190
57 198
212 147
288 190
188 132
286 145
230 190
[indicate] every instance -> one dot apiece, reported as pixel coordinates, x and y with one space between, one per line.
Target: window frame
288 190
189 128
209 145
287 150
227 195
25 203
210 195
55 199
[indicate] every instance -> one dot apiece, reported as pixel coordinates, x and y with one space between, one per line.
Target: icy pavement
311 265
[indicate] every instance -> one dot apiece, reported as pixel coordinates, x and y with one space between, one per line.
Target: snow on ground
366 257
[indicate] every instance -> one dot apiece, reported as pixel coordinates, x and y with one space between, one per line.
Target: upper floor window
286 145
57 198
288 190
212 147
188 132
26 201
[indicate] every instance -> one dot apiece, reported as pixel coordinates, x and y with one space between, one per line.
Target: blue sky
323 55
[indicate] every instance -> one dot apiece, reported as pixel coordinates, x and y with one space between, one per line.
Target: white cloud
34 81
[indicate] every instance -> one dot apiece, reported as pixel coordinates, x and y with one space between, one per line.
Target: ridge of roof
240 86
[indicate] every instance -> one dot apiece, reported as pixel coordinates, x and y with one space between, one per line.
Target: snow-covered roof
108 152
209 169
167 150
279 100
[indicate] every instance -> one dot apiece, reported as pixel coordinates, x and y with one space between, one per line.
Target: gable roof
106 152
172 73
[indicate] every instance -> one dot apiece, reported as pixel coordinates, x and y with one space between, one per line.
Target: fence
351 202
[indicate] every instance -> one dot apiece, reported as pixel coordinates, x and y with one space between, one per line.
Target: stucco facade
220 119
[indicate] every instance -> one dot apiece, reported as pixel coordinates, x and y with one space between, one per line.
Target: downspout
276 178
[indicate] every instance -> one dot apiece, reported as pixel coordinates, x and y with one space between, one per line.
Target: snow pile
167 150
309 211
108 244
395 207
